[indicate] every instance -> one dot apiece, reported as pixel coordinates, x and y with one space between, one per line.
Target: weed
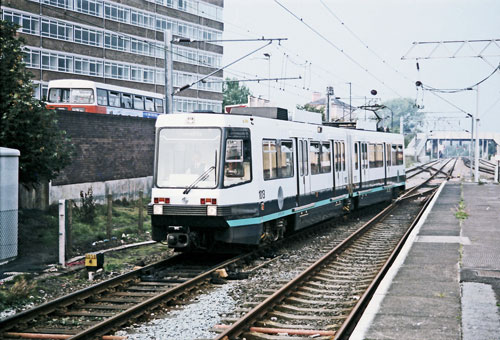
88 208
461 214
19 290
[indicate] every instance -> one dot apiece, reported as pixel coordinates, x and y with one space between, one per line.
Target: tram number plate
262 194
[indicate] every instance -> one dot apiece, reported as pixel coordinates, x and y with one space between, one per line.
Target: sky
362 43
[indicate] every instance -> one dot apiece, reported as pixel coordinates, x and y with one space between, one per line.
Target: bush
88 208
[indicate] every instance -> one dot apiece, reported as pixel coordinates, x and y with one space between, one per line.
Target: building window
87 36
32 58
29 24
91 7
57 30
68 4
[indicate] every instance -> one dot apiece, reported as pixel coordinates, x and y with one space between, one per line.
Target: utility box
9 189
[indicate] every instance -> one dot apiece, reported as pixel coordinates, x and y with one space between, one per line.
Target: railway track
484 166
99 309
327 298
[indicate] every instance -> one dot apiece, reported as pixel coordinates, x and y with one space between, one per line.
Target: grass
15 292
461 214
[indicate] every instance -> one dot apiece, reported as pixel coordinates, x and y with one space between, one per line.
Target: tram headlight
211 210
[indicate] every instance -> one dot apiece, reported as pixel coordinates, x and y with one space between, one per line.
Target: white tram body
245 179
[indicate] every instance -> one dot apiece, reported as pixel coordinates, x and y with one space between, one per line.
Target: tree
25 123
312 108
403 108
234 93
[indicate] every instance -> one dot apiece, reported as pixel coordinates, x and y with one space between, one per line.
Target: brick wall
107 147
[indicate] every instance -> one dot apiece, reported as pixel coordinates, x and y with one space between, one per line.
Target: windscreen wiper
200 178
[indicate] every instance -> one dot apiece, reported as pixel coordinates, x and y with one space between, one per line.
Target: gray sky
388 28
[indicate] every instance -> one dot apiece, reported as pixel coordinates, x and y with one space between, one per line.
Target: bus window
114 99
138 102
127 101
149 104
59 96
159 105
102 97
82 96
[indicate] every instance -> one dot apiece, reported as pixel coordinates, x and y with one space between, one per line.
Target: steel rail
245 323
139 309
352 319
411 190
79 295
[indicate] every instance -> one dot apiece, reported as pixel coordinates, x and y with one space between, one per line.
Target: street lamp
268 56
471 141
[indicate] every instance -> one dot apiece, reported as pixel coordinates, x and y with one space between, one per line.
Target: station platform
445 283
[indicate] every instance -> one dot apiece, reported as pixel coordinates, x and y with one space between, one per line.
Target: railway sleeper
280 336
291 308
298 301
303 318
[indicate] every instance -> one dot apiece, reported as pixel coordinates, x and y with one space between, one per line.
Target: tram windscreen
187 156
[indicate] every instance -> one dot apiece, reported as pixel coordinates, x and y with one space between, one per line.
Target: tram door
363 169
304 179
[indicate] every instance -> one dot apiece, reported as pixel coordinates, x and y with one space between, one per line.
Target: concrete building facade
121 42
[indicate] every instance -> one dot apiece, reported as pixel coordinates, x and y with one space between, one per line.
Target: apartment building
121 42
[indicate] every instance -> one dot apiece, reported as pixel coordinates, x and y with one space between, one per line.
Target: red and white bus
90 96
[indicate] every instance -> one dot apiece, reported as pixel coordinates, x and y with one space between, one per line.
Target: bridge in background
437 144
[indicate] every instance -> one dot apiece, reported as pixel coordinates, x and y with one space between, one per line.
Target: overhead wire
329 10
348 56
468 88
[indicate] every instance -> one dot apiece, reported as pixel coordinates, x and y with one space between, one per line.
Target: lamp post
471 141
329 93
268 56
350 100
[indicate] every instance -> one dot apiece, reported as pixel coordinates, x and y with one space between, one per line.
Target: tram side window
356 162
269 159
138 102
388 154
326 158
285 158
126 101
365 155
400 155
372 156
114 99
342 144
303 160
159 105
394 150
237 162
102 97
314 152
149 104
336 155
379 155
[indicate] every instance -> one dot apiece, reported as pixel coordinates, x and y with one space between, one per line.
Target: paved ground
448 286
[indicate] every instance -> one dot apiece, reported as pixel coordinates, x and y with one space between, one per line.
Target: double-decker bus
90 96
